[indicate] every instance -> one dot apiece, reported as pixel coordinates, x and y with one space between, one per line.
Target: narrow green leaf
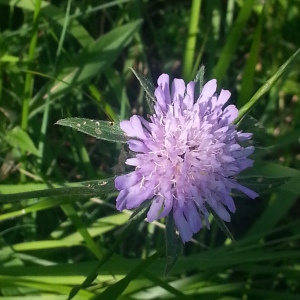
199 79
149 89
248 74
220 222
116 290
94 58
232 40
18 138
284 69
85 189
270 169
105 130
263 184
71 213
173 244
277 208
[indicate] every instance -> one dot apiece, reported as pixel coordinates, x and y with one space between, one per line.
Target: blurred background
72 58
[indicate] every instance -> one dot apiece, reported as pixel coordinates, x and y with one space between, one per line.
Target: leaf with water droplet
262 184
104 130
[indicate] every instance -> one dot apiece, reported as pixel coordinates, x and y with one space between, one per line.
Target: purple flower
187 156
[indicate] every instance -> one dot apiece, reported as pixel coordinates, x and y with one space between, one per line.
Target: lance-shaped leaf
94 58
283 70
263 184
173 244
199 80
104 130
20 139
220 222
148 88
84 189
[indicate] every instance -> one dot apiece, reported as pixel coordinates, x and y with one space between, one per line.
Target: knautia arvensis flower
187 156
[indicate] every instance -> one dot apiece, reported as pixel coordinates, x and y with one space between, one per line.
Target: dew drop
97 123
260 179
84 122
98 131
78 125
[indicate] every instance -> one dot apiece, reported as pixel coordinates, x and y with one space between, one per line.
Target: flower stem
189 53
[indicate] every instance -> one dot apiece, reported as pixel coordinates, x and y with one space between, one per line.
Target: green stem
189 53
29 76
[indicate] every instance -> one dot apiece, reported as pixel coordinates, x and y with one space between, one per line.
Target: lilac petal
188 100
137 146
137 195
229 202
178 89
124 182
168 204
193 217
137 126
226 159
182 225
180 197
121 200
243 152
133 161
223 97
159 95
230 114
126 127
243 136
244 164
222 213
145 123
155 208
209 88
163 82
251 194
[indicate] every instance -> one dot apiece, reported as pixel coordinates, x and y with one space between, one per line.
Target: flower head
187 156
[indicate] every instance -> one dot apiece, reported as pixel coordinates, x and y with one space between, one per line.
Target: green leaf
263 184
89 189
149 89
232 40
284 69
105 130
116 290
173 244
18 138
220 222
199 79
249 72
94 58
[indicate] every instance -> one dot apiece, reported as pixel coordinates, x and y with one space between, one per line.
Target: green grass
62 235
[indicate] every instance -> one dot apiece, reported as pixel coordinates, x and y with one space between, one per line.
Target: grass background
64 59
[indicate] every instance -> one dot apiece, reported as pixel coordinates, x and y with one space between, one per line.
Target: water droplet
98 131
260 179
102 183
97 123
78 125
84 122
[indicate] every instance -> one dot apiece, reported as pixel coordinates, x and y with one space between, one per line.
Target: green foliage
66 62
